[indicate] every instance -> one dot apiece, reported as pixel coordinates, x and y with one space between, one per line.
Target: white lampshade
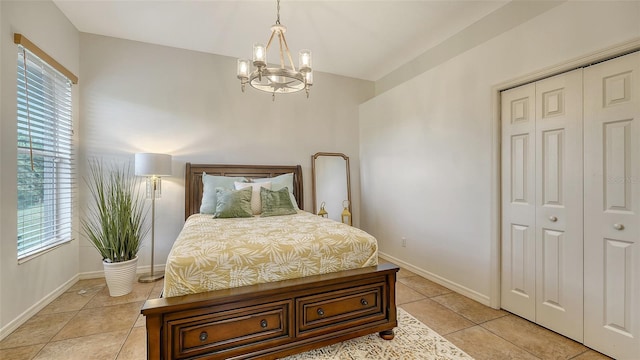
150 164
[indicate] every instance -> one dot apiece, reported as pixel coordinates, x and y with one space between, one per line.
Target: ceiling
360 39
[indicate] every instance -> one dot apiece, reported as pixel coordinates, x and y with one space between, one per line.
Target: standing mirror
331 183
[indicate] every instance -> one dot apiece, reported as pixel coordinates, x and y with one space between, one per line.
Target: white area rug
413 340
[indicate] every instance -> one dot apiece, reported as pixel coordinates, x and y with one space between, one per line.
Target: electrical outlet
404 241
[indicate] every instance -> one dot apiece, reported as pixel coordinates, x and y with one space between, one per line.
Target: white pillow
256 203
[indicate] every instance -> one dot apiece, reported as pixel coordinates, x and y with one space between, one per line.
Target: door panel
519 240
612 207
617 142
617 267
518 201
552 165
552 259
559 200
519 169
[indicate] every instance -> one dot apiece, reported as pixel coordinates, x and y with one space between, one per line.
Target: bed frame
270 320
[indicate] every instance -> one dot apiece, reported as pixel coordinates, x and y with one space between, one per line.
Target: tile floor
86 323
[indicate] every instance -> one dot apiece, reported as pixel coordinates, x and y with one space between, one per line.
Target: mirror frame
314 157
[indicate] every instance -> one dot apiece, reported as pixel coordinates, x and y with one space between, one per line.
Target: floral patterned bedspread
212 254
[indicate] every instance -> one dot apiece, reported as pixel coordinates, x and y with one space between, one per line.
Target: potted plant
114 223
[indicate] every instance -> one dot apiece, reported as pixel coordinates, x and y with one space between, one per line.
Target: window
45 156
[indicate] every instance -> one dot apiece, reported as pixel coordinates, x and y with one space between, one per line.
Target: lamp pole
151 277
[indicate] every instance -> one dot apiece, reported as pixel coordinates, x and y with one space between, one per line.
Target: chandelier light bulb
243 69
259 55
304 60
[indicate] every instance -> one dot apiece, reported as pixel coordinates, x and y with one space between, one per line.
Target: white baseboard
140 270
147 268
460 289
27 314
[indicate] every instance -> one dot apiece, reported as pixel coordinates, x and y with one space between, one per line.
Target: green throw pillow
233 203
279 182
276 202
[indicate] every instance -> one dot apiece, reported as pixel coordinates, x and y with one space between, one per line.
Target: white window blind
45 156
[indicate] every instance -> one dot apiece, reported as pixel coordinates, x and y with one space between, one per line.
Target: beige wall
426 145
138 97
25 286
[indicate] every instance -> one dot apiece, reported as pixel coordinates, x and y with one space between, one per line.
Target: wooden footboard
274 319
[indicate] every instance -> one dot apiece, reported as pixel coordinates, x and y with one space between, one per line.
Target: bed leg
153 337
387 334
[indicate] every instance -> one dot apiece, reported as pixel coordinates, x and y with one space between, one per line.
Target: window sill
34 254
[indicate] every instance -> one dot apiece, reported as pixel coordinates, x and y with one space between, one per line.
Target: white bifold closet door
542 203
612 207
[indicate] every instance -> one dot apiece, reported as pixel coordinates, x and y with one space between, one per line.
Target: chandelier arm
280 36
269 42
286 47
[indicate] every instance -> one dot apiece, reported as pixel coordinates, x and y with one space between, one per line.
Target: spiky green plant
114 222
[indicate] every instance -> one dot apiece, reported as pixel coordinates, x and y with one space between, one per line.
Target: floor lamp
153 167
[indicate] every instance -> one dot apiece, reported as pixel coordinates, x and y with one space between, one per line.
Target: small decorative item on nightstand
346 215
322 211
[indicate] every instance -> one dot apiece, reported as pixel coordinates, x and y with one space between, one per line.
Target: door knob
618 226
553 218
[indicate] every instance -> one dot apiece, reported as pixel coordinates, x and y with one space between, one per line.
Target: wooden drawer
339 309
218 332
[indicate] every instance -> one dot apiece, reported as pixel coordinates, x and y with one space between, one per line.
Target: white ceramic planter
120 276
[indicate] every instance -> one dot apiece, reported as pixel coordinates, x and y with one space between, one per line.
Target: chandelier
274 80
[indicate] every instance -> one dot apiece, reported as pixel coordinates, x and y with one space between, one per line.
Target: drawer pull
203 336
364 302
320 312
263 323
553 218
618 226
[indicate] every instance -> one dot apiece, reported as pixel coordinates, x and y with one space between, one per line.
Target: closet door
518 201
559 205
612 207
542 203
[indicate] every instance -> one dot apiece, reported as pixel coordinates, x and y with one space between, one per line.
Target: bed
268 319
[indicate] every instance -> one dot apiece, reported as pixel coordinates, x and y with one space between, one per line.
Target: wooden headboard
193 180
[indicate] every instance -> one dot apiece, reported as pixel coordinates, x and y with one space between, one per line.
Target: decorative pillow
280 182
233 203
209 185
256 204
276 202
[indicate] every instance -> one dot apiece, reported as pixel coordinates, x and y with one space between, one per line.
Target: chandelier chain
278 19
